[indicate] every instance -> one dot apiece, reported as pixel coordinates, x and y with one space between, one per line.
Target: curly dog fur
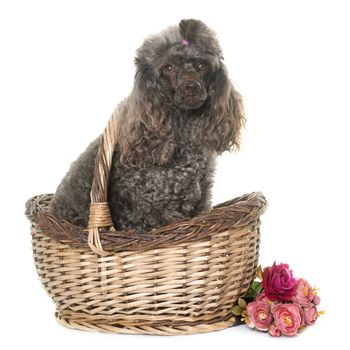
181 113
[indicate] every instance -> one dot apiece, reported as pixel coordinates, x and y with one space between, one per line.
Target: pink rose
278 282
262 297
316 300
310 315
288 318
304 294
274 305
259 315
274 331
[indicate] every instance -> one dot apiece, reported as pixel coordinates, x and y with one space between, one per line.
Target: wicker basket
179 279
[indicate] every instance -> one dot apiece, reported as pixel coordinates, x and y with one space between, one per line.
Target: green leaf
257 287
250 294
236 310
242 304
259 272
254 290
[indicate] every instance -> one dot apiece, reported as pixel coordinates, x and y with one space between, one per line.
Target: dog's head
182 69
186 80
183 61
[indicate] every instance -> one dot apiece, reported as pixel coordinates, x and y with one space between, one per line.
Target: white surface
65 65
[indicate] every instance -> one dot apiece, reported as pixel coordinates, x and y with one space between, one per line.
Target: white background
66 64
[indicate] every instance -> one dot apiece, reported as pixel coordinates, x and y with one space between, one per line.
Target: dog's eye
202 66
169 68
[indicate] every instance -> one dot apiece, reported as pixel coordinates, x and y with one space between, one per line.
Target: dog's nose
193 87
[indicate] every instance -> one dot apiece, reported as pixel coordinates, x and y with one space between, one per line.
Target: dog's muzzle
192 87
191 94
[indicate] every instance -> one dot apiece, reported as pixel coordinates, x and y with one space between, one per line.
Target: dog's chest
146 198
181 179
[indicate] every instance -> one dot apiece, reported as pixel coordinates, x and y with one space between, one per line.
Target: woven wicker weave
179 279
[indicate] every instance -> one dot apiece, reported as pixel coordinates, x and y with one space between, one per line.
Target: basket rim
229 215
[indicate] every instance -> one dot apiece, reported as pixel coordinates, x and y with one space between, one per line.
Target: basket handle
100 215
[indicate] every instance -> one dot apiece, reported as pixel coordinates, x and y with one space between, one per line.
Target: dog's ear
196 32
219 127
189 28
146 136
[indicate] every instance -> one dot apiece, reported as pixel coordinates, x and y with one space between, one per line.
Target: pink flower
274 331
310 315
262 297
259 315
274 305
304 294
278 282
288 318
316 300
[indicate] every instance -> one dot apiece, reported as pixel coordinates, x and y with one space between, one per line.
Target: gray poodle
182 112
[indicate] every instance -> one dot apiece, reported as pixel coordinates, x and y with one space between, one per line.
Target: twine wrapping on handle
100 215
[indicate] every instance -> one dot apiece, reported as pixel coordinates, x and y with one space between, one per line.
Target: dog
182 112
